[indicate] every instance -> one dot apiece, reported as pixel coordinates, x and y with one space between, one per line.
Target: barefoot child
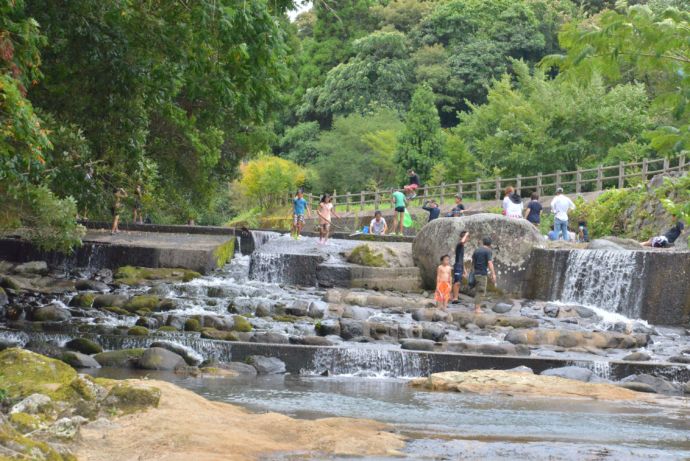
443 283
459 267
299 207
324 211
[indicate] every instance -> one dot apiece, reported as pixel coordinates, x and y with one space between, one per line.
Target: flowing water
449 426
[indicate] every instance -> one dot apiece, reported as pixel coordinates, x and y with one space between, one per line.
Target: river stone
239 367
267 365
571 372
350 329
317 309
110 300
522 369
190 356
91 285
513 240
614 244
432 315
584 312
417 344
637 357
357 313
85 346
299 308
311 340
217 322
79 360
262 311
660 385
33 404
123 358
568 339
32 267
502 308
638 387
269 337
551 310
679 359
434 332
51 313
157 358
487 349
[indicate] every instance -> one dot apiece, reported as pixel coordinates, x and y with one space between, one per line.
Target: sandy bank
186 427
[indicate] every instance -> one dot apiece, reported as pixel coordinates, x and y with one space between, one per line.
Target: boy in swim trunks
443 283
299 207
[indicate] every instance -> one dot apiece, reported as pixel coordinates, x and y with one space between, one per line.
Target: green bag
407 221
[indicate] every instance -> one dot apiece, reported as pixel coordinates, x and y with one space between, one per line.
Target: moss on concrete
364 255
224 253
241 324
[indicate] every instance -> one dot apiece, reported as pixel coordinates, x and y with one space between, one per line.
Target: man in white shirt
560 205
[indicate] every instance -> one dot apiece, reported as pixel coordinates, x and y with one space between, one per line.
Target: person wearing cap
432 207
483 267
560 205
458 210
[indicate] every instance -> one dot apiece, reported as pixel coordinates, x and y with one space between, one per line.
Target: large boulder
157 358
51 313
513 240
614 244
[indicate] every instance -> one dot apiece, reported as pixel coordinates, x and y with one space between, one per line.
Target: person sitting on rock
378 225
432 207
443 283
412 186
459 209
668 238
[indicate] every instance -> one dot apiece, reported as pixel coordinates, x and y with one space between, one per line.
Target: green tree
299 143
420 143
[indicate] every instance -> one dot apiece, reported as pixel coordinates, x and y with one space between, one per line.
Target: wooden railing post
578 180
478 192
426 194
621 174
600 178
518 184
681 162
558 179
443 192
666 165
645 168
460 187
377 200
540 189
348 202
361 201
334 198
498 188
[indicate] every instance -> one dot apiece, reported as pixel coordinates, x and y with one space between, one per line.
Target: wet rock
84 300
44 348
212 333
79 360
215 321
417 344
614 244
502 308
357 313
157 358
637 357
487 349
139 302
124 358
551 310
138 331
328 327
513 241
584 312
522 369
32 267
432 315
299 308
270 337
190 356
267 365
317 309
148 322
176 321
433 332
576 373
7 343
464 319
568 339
4 300
91 285
311 340
10 283
262 311
239 367
622 327
409 331
109 300
33 404
350 329
85 346
679 359
638 387
51 313
660 385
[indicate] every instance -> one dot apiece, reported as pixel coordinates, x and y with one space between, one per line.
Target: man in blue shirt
300 206
432 207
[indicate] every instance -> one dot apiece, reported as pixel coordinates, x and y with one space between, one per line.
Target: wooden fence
579 181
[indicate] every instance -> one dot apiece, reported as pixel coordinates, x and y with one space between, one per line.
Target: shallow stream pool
450 426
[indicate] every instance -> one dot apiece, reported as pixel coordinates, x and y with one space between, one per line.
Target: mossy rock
212 333
168 328
85 346
165 305
138 331
223 254
363 255
24 422
10 283
129 398
192 325
23 373
26 448
117 310
241 324
150 302
285 318
135 276
84 300
123 358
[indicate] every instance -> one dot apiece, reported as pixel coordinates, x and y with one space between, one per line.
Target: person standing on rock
533 211
560 206
118 195
483 267
443 283
459 266
324 211
514 207
399 215
300 206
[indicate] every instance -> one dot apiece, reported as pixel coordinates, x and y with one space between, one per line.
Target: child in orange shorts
444 283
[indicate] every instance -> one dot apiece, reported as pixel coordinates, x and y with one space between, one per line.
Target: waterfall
263 237
611 280
368 361
268 267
